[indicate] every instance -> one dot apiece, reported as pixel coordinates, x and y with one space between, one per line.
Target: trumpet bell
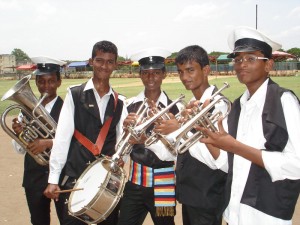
179 141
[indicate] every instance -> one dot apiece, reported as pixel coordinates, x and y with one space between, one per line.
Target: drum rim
99 193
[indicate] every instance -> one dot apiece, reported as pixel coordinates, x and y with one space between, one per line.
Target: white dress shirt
280 165
66 126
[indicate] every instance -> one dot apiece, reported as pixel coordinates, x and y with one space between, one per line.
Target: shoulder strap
97 147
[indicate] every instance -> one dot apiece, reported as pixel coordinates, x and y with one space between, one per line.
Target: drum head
90 181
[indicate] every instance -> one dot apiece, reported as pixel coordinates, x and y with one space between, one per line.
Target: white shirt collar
258 98
90 85
162 98
206 95
50 105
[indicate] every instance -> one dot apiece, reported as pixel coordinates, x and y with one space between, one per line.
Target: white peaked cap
47 60
247 39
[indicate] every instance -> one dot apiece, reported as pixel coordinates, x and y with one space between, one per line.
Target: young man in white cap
35 178
88 109
262 140
149 176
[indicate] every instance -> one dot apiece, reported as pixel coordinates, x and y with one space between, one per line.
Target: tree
215 53
20 55
295 52
121 58
173 56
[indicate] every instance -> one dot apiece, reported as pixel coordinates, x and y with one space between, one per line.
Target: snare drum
102 190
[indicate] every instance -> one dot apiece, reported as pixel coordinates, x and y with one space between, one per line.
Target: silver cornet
141 129
155 137
123 147
37 121
182 139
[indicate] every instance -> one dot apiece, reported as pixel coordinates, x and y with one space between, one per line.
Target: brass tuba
36 122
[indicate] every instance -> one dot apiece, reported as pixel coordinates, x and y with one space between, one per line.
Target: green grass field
132 86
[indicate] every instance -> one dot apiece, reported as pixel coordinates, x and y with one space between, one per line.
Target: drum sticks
69 190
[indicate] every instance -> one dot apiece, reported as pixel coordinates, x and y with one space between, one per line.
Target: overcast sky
68 29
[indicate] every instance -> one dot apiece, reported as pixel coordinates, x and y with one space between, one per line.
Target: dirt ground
13 207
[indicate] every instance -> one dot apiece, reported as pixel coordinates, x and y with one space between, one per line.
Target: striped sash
164 191
163 181
141 175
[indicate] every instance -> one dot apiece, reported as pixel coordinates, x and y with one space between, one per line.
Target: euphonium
182 139
37 123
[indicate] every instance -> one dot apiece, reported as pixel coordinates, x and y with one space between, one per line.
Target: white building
7 63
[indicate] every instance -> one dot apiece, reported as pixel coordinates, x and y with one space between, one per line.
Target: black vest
278 198
87 121
142 155
35 175
198 185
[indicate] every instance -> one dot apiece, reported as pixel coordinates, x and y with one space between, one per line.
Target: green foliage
295 52
213 53
20 55
121 58
173 56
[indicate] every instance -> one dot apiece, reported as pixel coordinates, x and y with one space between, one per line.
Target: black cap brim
47 68
154 66
250 45
40 73
242 49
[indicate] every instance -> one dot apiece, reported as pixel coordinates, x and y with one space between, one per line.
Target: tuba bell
36 122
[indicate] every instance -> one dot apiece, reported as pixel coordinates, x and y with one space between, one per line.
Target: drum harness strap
96 148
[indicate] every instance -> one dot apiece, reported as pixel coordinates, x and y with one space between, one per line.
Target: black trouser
137 201
39 206
199 216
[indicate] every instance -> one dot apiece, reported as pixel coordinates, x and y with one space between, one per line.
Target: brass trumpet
182 139
141 129
123 147
155 137
37 121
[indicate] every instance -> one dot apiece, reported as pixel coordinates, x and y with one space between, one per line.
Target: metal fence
280 68
225 68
